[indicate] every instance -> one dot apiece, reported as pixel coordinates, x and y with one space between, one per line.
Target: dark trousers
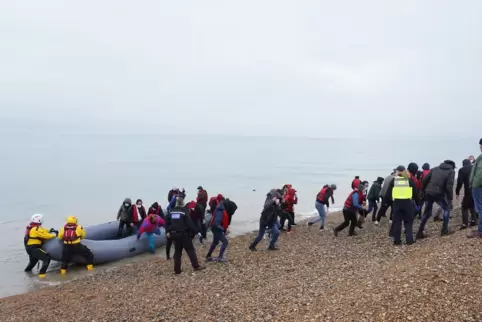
123 223
168 248
70 250
287 216
465 215
403 212
373 206
429 201
35 254
183 241
350 220
383 210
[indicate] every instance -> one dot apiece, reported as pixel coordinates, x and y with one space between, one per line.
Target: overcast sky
314 68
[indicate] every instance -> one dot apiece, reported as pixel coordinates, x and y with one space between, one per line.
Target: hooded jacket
148 227
125 213
386 184
463 178
375 189
269 215
476 173
439 182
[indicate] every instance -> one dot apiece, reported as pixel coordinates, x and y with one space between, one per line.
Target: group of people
409 193
182 222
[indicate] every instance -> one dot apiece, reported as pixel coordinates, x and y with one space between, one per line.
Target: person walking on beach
403 192
71 234
219 226
438 186
350 209
34 237
463 179
269 219
476 184
180 228
289 201
386 203
374 196
322 200
197 215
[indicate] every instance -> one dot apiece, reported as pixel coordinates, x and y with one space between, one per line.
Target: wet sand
314 277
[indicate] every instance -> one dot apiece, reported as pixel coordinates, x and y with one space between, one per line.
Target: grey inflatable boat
101 240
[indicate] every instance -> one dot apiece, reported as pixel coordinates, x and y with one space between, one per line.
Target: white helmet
37 219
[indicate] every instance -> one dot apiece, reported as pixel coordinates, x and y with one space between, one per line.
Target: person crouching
72 234
150 226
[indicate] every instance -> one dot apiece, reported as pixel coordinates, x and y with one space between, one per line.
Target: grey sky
317 68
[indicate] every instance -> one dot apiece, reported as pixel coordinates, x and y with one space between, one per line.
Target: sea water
89 175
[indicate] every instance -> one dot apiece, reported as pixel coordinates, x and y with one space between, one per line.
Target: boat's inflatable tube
100 239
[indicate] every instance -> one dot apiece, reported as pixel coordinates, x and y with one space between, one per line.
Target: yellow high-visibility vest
402 189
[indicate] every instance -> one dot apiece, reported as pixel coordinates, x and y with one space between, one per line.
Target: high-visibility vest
402 189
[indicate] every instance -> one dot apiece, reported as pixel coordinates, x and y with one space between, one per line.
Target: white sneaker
377 223
390 222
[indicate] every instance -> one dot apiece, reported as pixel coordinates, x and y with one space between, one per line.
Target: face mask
126 205
139 206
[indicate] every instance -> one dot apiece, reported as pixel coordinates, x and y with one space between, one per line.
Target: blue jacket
218 218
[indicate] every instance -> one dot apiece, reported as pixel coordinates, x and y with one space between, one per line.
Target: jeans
218 236
477 195
429 201
262 230
373 206
321 214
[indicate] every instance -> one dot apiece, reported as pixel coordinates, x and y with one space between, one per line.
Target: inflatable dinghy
101 240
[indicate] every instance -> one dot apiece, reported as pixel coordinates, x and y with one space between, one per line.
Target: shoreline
313 276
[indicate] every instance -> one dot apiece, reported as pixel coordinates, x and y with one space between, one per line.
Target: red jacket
417 182
290 199
349 201
355 183
202 197
424 173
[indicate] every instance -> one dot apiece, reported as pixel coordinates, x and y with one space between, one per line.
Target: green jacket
476 173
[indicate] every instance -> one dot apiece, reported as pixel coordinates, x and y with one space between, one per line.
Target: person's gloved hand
417 208
56 232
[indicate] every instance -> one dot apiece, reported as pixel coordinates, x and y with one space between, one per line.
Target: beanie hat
426 166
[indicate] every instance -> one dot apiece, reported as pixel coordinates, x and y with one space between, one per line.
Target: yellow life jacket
402 189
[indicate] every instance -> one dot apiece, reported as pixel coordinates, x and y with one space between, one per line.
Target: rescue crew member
34 237
322 200
219 226
180 228
72 234
352 204
404 194
202 197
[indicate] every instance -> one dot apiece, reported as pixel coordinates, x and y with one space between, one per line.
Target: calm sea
89 176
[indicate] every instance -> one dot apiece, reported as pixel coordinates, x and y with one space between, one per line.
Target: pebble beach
313 277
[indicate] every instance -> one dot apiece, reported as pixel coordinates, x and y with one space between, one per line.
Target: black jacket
269 215
230 208
439 182
178 220
415 192
463 178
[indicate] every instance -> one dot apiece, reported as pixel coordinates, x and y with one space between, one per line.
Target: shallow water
89 175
